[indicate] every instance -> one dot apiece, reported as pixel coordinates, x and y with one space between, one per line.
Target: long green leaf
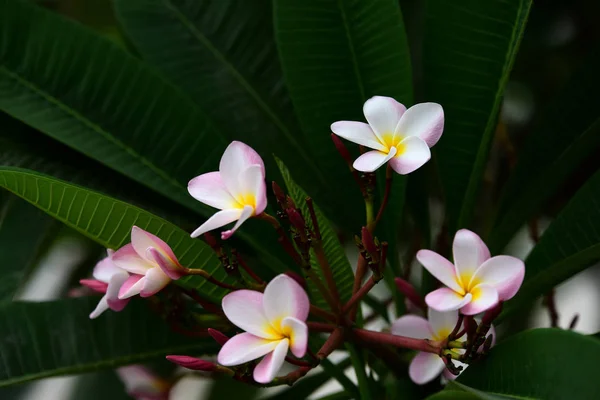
340 267
39 340
568 133
23 230
569 245
549 364
88 93
468 51
335 55
108 221
223 54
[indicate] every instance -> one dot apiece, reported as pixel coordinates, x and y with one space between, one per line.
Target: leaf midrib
355 65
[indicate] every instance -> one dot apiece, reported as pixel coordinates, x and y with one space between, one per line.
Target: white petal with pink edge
142 241
209 189
100 308
243 348
359 133
172 270
442 269
484 297
268 367
154 281
371 160
244 308
132 286
415 153
105 269
425 121
284 297
412 326
237 158
112 291
128 259
425 367
469 253
246 213
505 273
218 220
253 184
383 114
444 299
298 335
442 323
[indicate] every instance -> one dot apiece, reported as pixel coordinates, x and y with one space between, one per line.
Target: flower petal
100 308
237 158
268 367
383 114
442 323
243 348
171 269
209 189
505 273
297 331
142 241
444 299
253 185
442 269
244 308
218 220
425 367
284 297
469 253
247 212
424 120
359 133
132 286
154 282
95 285
414 154
371 160
412 326
105 269
112 291
484 297
128 259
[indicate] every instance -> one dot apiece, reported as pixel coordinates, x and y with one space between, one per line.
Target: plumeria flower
150 261
143 384
274 322
108 279
402 137
475 282
427 366
238 189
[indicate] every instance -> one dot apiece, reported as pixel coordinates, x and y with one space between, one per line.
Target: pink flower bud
296 219
218 336
410 292
193 363
95 285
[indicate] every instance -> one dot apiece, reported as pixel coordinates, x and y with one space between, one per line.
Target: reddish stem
361 270
386 196
319 312
396 341
298 363
356 297
320 327
246 268
333 342
208 277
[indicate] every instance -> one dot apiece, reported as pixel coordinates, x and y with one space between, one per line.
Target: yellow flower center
467 283
280 332
245 199
390 140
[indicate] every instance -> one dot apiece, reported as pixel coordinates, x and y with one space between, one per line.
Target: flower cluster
274 318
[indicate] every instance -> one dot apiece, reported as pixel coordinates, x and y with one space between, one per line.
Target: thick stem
326 268
361 270
208 277
320 327
334 341
459 322
298 363
356 297
397 341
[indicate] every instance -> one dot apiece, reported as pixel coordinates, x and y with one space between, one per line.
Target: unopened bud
341 148
491 314
218 336
296 219
369 243
197 364
410 293
95 285
279 194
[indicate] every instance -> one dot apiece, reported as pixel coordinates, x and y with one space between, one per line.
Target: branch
425 345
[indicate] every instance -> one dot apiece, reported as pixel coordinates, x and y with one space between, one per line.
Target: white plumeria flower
425 367
151 262
475 282
143 384
108 279
402 137
238 189
274 322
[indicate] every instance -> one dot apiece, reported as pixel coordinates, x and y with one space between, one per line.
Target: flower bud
95 285
341 148
491 314
369 243
296 219
193 363
279 194
218 336
410 293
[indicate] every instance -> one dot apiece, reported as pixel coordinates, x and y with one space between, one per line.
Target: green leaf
100 386
478 394
108 221
223 54
539 364
88 93
568 133
569 245
452 395
468 51
23 231
38 340
334 252
227 388
335 55
358 363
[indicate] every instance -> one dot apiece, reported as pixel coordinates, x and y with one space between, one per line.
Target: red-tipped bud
298 278
341 148
290 202
218 336
279 194
368 242
296 219
491 314
193 363
410 293
95 285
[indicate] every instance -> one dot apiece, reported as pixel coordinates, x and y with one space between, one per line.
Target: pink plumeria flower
108 279
425 367
475 282
143 384
150 261
402 137
274 322
238 189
